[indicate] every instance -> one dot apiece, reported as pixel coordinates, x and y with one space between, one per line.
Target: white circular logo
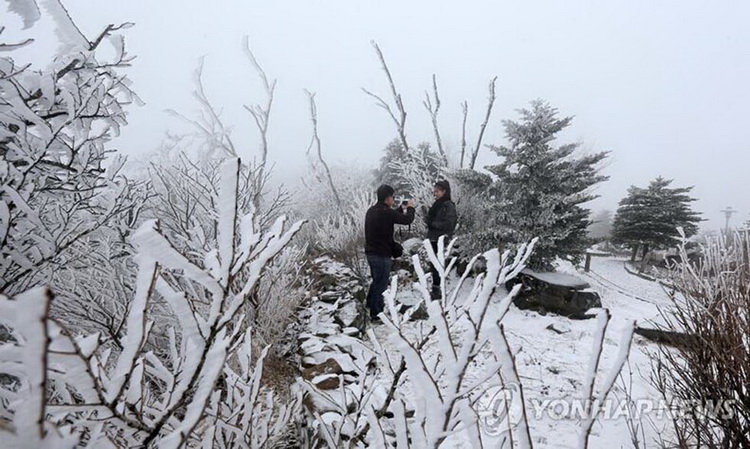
500 409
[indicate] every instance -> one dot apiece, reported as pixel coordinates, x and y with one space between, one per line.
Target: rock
312 345
670 338
330 366
330 297
326 329
351 331
316 358
328 282
554 292
327 381
347 313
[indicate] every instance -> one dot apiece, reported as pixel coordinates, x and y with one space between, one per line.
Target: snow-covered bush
706 374
475 200
435 383
94 286
205 389
337 228
411 172
58 183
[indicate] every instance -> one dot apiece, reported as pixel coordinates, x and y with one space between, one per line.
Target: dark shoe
375 321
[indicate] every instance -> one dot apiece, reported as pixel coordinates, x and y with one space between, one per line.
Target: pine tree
540 187
648 218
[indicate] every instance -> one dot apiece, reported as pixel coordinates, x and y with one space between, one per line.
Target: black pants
433 270
380 268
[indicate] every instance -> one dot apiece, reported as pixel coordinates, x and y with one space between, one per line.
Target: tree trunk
635 252
644 258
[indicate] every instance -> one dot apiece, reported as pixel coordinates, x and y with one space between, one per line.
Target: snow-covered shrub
478 229
430 394
412 173
337 229
281 290
94 287
707 373
206 387
428 384
58 184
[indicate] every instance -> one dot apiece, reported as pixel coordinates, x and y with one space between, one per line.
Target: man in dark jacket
379 244
441 221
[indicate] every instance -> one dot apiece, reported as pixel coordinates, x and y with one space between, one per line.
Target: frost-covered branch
398 116
260 113
465 113
490 104
445 381
58 184
433 106
170 398
315 143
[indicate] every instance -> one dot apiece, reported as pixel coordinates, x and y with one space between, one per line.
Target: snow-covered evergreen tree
648 218
540 188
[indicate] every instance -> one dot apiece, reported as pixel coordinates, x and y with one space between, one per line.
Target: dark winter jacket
441 219
379 223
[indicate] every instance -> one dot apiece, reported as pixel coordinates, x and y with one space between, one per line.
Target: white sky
664 86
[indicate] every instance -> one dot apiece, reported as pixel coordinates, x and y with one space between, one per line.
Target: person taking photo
380 247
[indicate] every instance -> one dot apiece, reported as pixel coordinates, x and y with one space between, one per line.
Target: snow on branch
205 388
428 397
400 120
55 128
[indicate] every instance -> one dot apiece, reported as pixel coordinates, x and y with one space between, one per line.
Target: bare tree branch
490 104
433 110
316 143
11 47
465 111
400 121
261 113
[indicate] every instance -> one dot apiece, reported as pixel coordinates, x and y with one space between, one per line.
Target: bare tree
399 115
209 125
465 112
315 143
261 113
433 108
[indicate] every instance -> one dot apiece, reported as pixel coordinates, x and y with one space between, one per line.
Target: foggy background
662 85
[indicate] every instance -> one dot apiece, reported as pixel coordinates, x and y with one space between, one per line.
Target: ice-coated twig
595 407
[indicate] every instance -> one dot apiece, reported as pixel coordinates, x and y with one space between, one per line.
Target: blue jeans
380 268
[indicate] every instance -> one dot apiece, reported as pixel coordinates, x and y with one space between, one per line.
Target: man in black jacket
379 244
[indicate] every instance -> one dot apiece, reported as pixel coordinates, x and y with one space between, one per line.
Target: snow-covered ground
553 354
